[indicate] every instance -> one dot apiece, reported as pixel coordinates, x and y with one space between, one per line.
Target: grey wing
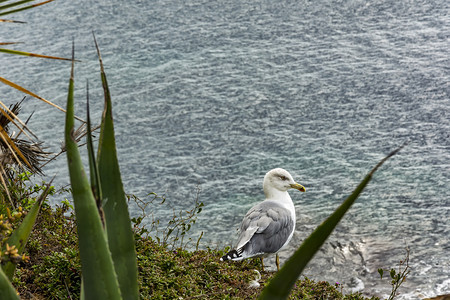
265 229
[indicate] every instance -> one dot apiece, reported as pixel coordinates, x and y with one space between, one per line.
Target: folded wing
265 229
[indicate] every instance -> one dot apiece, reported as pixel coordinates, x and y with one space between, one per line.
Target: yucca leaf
280 285
22 8
7 291
99 276
16 52
18 87
118 225
19 237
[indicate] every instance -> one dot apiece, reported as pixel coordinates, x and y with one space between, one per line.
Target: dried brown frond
78 134
34 153
6 117
14 152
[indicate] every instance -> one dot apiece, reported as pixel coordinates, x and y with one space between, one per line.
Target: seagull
268 226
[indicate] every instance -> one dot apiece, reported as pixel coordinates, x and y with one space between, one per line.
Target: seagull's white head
279 180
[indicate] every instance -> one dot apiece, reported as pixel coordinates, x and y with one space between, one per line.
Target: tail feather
232 255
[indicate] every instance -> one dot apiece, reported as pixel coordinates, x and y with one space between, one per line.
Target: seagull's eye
284 178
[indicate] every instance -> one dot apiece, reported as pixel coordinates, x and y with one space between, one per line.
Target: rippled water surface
211 95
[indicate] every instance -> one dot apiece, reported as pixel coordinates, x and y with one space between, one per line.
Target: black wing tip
233 254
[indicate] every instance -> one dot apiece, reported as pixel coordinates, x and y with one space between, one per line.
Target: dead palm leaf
16 52
18 87
29 152
11 115
15 153
10 21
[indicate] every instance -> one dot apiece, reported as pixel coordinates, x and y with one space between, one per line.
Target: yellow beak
299 187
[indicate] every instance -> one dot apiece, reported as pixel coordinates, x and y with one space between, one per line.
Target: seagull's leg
262 263
277 258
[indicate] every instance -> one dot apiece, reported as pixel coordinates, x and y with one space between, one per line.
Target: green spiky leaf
7 291
93 169
19 237
115 207
99 277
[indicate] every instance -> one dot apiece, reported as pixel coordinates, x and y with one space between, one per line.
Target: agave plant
106 241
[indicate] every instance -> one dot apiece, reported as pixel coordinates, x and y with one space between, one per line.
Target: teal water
211 95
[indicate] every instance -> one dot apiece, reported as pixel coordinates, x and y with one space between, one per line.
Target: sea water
210 95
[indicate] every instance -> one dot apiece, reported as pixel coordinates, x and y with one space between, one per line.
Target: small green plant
53 270
151 224
23 193
174 233
397 277
60 274
180 224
